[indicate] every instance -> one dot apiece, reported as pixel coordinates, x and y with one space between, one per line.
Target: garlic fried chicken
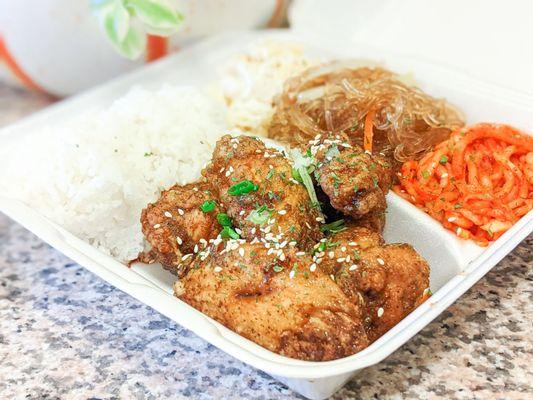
247 245
355 182
388 281
255 185
181 221
275 301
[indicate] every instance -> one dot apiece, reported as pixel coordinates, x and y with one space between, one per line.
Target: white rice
94 174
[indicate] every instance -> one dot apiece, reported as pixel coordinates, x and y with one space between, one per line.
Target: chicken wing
276 301
356 182
255 185
176 226
389 280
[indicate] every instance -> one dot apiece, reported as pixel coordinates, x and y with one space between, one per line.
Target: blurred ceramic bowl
56 46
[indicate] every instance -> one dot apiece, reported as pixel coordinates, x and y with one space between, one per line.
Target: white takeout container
455 264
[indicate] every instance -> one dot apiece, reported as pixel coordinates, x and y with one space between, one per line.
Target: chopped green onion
308 183
443 160
224 220
270 174
277 268
425 174
296 175
334 227
243 187
456 206
229 233
208 206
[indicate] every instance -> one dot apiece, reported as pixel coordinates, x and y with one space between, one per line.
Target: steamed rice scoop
95 173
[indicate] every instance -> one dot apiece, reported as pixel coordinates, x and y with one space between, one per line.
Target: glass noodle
336 98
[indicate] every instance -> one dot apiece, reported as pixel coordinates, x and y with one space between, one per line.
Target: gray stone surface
66 334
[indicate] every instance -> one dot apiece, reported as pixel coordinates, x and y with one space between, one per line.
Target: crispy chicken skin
355 182
279 304
389 280
292 216
175 224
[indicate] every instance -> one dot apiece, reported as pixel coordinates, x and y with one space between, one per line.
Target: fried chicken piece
355 182
277 302
390 280
175 224
375 221
274 205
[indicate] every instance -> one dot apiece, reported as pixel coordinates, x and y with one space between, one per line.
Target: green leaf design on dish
158 16
126 22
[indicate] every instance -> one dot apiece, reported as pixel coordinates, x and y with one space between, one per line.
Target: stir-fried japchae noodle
371 105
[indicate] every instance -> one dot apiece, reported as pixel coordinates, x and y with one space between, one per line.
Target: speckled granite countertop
66 334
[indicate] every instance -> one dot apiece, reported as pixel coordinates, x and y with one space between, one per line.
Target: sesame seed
343 249
222 169
157 226
270 166
228 173
292 273
380 312
282 212
319 219
318 260
348 258
217 269
300 253
380 261
234 146
195 248
312 268
353 267
186 256
352 244
331 254
459 230
254 241
259 151
341 259
293 243
252 231
444 175
168 215
282 257
241 252
242 212
332 277
178 239
267 229
451 219
180 211
238 231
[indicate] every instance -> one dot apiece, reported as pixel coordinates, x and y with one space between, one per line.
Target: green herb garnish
443 160
224 219
334 227
229 233
208 206
277 268
243 187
